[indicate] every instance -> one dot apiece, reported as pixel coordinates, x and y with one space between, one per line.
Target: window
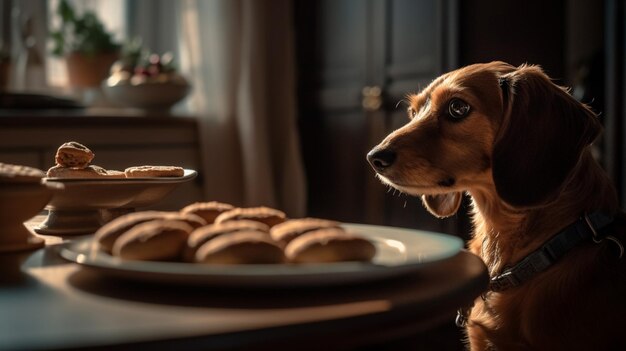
151 20
113 14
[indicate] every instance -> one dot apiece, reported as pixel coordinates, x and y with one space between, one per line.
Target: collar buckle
597 220
594 233
503 281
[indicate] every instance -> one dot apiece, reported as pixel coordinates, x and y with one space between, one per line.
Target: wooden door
357 61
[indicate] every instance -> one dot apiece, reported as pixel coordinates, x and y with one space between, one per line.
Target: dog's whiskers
389 186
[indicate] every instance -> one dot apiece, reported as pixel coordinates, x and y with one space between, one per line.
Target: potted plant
89 49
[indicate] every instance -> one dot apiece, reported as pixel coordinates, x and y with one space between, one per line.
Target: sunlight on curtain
26 41
240 58
209 59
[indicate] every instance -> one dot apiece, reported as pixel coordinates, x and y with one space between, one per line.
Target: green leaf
56 35
57 51
84 33
58 43
66 11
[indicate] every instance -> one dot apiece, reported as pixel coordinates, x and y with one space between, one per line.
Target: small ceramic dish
156 95
18 203
84 205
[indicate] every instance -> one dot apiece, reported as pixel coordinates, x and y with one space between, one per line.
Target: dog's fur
523 155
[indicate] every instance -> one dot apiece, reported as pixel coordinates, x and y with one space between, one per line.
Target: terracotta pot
89 70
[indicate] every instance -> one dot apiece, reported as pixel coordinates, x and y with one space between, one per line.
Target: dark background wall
399 46
345 47
515 32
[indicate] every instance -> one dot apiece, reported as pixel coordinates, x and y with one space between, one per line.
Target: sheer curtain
239 55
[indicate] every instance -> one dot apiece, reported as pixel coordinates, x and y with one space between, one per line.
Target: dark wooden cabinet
357 61
119 139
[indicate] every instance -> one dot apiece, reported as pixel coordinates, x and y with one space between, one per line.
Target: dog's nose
381 159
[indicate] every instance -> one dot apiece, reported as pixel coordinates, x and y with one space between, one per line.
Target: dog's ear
444 205
543 133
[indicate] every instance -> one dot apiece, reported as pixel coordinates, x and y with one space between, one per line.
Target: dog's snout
381 159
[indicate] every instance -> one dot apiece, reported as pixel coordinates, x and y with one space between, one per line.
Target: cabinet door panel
336 168
414 35
415 49
342 30
344 46
332 57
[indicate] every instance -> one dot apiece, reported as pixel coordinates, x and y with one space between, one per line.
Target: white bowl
148 95
82 207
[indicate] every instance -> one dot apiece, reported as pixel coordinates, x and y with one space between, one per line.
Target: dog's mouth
439 199
443 205
440 187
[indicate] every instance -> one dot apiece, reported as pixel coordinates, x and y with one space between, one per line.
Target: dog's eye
458 108
412 113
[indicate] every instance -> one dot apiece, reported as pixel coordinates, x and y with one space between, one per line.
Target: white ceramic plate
399 251
78 208
82 194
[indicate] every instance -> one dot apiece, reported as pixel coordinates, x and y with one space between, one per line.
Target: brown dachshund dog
547 222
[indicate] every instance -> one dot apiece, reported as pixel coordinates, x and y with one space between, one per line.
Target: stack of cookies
73 160
218 233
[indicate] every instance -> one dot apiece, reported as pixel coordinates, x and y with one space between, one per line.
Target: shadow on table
258 298
13 265
442 283
442 336
11 273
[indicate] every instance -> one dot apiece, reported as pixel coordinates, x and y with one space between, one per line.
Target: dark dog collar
589 226
594 226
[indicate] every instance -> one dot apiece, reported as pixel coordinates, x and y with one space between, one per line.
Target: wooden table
49 303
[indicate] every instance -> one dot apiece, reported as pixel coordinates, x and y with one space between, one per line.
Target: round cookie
207 210
157 240
154 171
73 154
114 174
266 215
203 234
189 218
329 245
245 247
293 228
108 234
20 174
91 171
